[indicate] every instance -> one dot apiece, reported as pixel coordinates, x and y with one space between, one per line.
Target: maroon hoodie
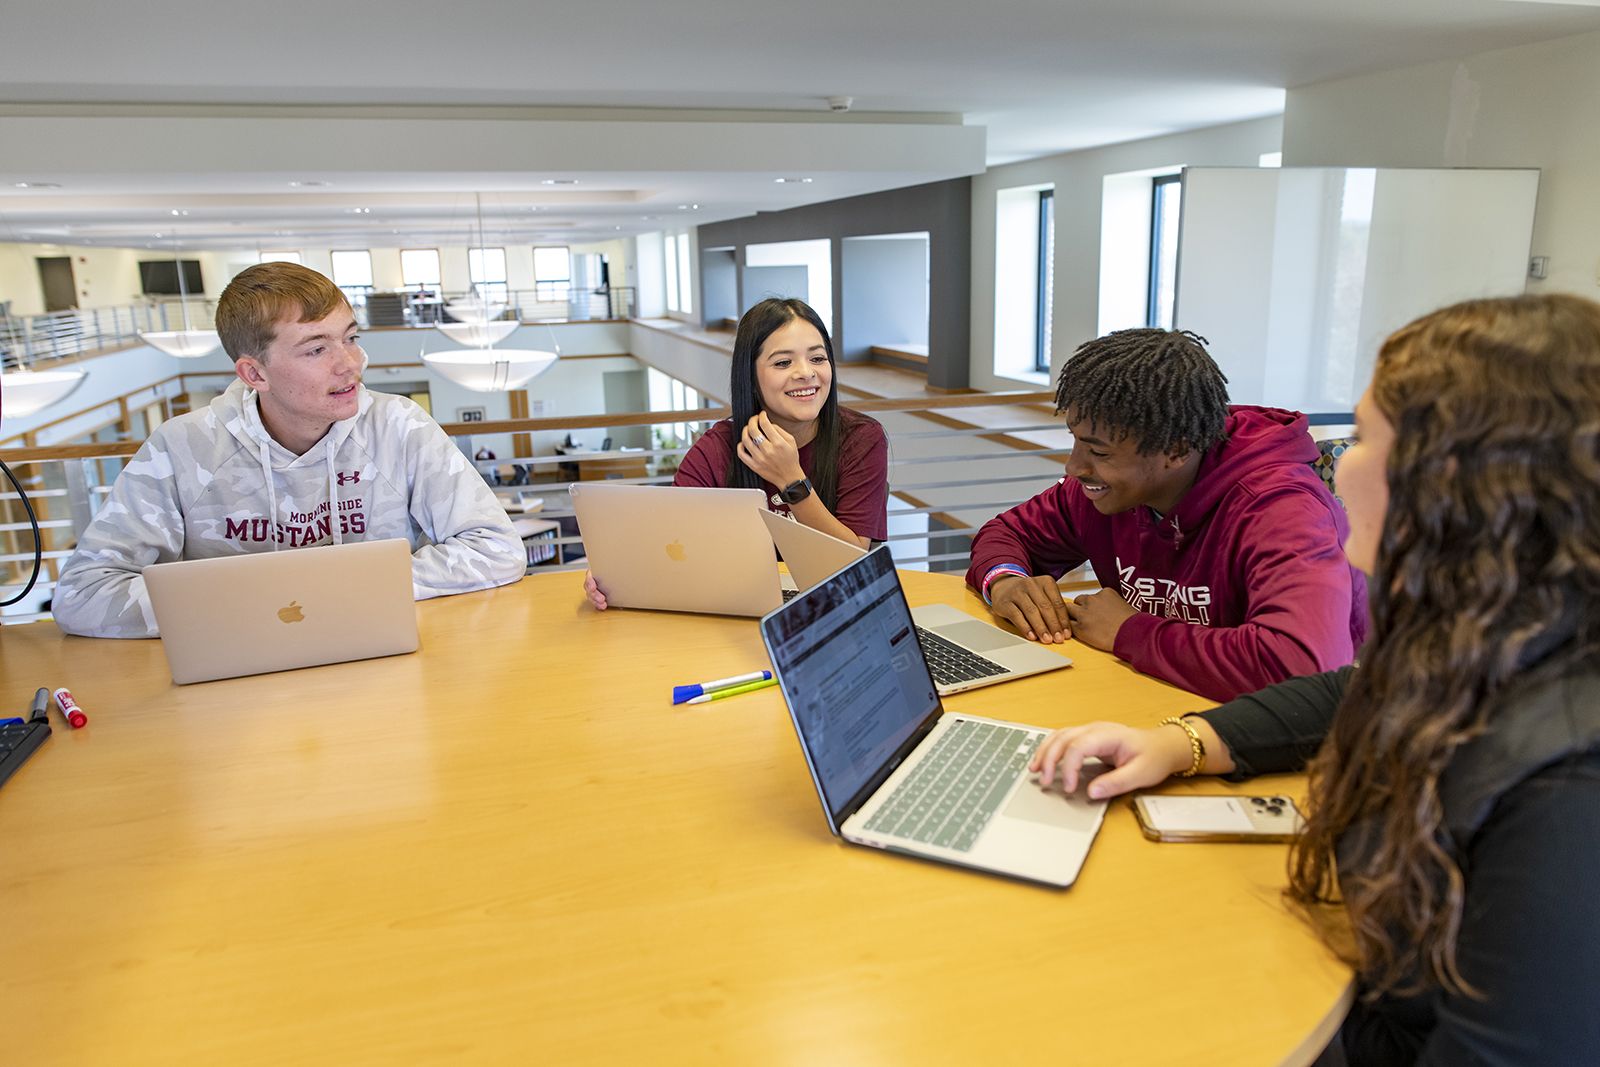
1241 585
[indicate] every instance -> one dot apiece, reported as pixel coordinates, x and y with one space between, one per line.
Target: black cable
38 539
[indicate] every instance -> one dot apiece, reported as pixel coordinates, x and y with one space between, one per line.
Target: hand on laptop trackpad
1071 811
977 635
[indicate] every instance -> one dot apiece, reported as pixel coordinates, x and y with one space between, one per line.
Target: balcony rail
944 480
28 339
424 308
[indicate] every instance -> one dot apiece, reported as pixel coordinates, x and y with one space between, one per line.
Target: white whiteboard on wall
1296 276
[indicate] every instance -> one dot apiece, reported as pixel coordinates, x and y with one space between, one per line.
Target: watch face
795 492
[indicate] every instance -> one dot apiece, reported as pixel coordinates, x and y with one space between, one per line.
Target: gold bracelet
1198 746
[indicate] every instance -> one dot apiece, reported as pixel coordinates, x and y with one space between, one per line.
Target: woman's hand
596 597
770 451
1142 758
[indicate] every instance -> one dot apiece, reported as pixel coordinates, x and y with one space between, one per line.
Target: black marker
41 705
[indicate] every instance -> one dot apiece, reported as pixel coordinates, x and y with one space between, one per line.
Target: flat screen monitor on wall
159 277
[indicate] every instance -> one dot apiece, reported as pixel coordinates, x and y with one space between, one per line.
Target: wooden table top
509 848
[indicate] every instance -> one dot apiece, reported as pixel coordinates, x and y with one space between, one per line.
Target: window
552 273
1023 277
1044 298
685 303
672 274
1166 200
669 394
280 257
675 252
486 267
419 268
352 270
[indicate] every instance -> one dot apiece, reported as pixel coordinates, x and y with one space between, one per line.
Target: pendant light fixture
187 343
483 367
24 392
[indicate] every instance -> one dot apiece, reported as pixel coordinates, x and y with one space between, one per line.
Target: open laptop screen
846 654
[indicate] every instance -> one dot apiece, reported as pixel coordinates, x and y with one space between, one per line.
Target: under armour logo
354 476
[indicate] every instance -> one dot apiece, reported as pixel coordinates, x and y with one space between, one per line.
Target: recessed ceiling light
299 184
781 181
559 181
38 185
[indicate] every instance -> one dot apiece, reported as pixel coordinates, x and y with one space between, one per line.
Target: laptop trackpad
1070 811
976 635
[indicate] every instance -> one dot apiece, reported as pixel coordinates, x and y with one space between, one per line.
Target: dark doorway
55 275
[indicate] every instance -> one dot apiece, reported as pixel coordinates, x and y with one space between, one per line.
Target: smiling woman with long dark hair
825 465
1452 846
820 464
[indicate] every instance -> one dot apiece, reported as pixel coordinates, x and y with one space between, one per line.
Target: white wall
1296 276
1533 106
816 256
1078 178
652 275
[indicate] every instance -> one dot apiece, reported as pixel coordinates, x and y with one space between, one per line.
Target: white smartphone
1185 817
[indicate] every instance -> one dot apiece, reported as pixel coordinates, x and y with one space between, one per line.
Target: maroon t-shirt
863 472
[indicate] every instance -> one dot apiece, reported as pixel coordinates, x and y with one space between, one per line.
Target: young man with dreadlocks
1217 545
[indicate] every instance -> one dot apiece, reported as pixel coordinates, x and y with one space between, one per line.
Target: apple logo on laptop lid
676 552
292 613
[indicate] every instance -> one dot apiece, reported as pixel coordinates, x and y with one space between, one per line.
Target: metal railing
29 339
26 339
944 483
944 480
425 309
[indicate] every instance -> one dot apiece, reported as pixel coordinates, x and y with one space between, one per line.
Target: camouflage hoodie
215 483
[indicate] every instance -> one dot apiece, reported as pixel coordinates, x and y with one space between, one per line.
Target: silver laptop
276 611
963 652
678 549
893 770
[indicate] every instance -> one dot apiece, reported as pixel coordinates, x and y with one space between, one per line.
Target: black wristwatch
795 492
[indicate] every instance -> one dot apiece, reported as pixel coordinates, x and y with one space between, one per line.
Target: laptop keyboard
950 664
17 742
957 788
790 594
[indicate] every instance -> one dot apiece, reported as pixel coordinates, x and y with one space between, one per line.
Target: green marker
733 691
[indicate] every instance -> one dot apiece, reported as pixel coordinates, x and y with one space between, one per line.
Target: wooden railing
942 489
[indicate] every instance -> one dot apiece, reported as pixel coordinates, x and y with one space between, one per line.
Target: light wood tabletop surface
509 848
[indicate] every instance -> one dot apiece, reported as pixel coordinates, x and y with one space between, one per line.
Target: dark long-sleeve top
1522 807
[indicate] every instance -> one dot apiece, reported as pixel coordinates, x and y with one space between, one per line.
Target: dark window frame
1153 275
1043 295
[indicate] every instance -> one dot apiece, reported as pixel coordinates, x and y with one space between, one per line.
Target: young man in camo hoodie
296 453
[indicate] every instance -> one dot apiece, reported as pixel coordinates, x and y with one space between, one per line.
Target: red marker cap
70 710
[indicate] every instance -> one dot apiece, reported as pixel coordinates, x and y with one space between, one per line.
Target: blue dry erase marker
682 693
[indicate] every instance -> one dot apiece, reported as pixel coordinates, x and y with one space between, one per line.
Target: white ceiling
1038 77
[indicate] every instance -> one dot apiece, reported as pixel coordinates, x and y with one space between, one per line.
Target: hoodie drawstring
333 496
264 451
272 492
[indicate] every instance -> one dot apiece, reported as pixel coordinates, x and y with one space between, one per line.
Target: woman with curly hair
1455 770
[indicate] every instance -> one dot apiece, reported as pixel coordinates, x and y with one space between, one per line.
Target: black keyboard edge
33 735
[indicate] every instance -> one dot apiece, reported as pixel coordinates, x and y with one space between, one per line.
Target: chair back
1331 448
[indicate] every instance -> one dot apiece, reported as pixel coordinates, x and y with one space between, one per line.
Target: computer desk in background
510 848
